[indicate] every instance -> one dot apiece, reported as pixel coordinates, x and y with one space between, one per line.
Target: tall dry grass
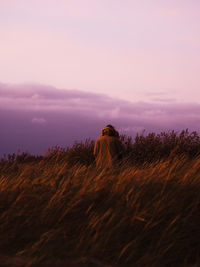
56 211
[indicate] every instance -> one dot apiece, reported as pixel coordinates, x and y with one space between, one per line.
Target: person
108 148
115 133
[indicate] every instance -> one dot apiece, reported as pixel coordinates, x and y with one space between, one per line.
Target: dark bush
141 149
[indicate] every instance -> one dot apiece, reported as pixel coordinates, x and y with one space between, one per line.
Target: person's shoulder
116 139
104 138
100 138
113 139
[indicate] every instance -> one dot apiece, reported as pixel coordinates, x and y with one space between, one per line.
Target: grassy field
58 210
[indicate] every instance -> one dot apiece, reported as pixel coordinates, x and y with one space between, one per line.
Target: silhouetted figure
108 148
115 133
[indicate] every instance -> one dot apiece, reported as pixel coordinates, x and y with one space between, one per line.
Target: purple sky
69 67
35 117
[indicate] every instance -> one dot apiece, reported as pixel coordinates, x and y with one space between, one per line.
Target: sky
130 49
34 118
69 67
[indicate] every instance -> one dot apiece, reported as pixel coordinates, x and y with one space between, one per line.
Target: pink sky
136 50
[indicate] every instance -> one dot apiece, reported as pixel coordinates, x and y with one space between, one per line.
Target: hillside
58 210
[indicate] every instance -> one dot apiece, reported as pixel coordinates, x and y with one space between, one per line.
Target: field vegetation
58 210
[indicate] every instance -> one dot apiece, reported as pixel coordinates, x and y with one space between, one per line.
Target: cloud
132 129
72 115
38 121
31 97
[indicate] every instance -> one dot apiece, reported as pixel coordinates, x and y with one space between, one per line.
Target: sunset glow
135 50
131 63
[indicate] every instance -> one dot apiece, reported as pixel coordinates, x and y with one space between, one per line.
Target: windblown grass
57 212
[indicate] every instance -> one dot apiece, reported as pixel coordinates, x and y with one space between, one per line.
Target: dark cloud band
34 117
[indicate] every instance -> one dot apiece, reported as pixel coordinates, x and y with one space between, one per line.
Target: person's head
109 131
115 133
109 125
